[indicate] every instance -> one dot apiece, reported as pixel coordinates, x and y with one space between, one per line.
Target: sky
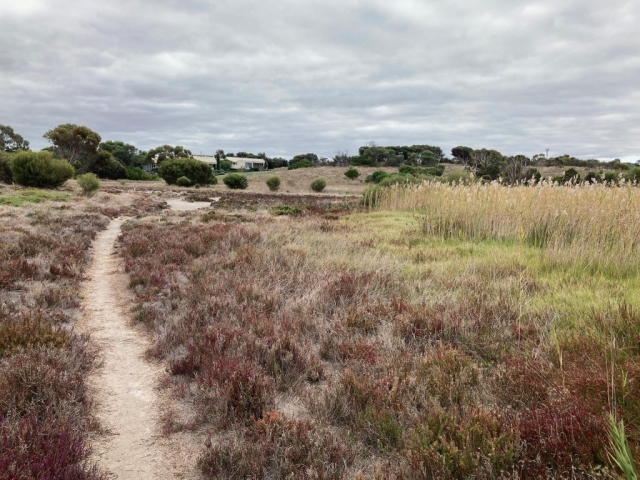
295 76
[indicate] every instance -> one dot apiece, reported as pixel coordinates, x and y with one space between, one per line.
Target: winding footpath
125 386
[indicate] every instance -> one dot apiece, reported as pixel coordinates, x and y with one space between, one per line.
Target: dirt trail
125 388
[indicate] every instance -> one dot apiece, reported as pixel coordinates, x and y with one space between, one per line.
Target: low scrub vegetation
318 185
45 416
89 183
360 349
273 183
195 171
236 181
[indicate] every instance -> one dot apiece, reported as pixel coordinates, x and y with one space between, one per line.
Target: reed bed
596 227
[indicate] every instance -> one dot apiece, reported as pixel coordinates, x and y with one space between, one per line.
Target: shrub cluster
194 170
89 183
40 169
300 164
6 176
352 173
318 185
273 183
236 181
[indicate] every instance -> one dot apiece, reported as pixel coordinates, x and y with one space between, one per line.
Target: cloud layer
292 76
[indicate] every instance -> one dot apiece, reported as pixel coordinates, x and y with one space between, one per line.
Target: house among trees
239 163
208 159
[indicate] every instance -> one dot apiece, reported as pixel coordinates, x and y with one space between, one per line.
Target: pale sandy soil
125 387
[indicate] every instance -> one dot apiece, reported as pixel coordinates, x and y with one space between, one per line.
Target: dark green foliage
433 171
198 172
532 174
277 162
300 164
286 210
166 152
571 175
399 179
632 175
318 184
377 176
611 177
462 154
183 182
10 141
104 165
125 153
136 173
40 169
5 168
273 183
225 165
309 159
593 177
352 173
236 181
74 143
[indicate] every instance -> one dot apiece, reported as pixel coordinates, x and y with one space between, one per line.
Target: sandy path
125 387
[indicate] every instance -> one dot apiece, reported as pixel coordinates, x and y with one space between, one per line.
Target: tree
219 156
372 154
105 165
125 153
462 154
341 158
73 143
485 163
514 168
310 157
165 152
10 141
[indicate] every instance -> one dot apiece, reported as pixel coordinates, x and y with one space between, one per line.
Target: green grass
22 197
572 292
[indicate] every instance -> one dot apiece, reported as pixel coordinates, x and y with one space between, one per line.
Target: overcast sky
293 76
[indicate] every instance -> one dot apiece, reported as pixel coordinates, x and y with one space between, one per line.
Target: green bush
458 176
377 176
236 181
5 168
352 173
89 183
195 170
399 179
105 165
183 182
301 164
612 178
632 175
40 169
436 171
318 184
225 164
593 177
273 183
136 173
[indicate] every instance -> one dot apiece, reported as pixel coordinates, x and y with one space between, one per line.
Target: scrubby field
453 332
437 332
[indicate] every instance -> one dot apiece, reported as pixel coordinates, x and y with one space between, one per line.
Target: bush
632 175
436 171
399 179
236 181
458 176
195 170
40 169
593 177
183 182
89 183
376 177
352 173
136 173
105 165
5 168
225 164
301 164
273 183
611 177
318 184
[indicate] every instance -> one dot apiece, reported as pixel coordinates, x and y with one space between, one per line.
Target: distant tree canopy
393 156
165 152
10 141
104 165
73 143
125 153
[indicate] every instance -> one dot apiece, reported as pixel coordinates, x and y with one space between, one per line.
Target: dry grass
593 227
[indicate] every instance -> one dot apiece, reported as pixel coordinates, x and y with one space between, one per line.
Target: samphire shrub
40 169
183 182
89 183
5 168
318 184
273 183
195 170
236 181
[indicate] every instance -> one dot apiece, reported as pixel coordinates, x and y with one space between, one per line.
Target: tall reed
594 226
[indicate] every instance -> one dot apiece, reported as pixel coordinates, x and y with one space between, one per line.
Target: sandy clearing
183 206
125 387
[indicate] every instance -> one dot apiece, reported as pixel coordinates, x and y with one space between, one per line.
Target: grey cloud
290 76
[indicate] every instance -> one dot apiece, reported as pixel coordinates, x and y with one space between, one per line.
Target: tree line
84 149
